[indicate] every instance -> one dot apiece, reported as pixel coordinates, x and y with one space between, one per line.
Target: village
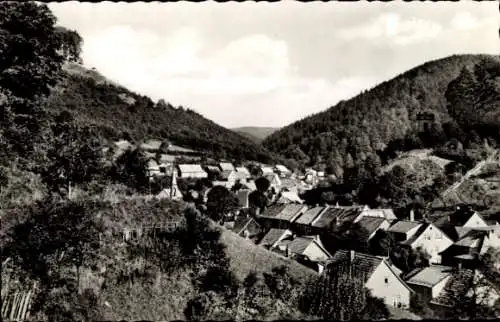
452 243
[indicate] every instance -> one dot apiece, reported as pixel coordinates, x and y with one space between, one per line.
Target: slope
117 112
375 119
256 134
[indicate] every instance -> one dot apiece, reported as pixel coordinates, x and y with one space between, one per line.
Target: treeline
385 119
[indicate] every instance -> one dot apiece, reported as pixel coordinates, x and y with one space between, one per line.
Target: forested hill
254 133
367 124
118 113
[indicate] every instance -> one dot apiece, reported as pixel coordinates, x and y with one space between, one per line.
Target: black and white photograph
234 161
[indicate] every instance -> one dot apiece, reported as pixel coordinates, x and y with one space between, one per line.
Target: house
404 229
431 240
151 145
388 214
285 197
465 216
266 170
465 251
282 171
173 192
430 281
373 224
377 273
246 227
243 172
335 216
281 216
464 282
303 223
273 237
226 166
304 247
191 171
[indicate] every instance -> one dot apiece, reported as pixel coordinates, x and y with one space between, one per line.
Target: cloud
464 21
390 27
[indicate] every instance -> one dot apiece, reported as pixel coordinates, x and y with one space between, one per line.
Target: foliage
383 120
131 169
220 202
75 156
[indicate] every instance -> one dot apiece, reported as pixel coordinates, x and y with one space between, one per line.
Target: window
386 280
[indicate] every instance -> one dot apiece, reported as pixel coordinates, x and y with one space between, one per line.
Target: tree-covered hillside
120 113
380 121
256 134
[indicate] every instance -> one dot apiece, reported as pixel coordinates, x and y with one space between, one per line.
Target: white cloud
464 21
393 29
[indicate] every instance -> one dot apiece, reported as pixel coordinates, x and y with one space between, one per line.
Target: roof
283 212
428 276
267 170
404 226
363 264
151 145
190 168
446 227
212 168
371 224
166 158
386 213
332 214
419 232
243 170
457 285
123 144
227 173
273 236
242 223
226 166
282 168
250 185
300 244
271 177
309 215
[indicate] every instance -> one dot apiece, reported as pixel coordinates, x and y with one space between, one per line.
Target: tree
30 65
262 184
71 44
75 156
257 200
220 202
131 168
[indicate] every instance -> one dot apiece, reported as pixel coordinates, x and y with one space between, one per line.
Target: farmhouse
304 222
335 216
378 274
430 281
308 247
274 236
431 240
191 171
373 224
404 229
281 216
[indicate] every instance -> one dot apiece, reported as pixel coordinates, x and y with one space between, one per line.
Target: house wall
433 241
315 253
383 226
475 221
393 292
425 291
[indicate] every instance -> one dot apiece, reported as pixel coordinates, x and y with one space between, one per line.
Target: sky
270 64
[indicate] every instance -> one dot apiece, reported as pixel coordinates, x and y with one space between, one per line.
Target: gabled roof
123 144
386 213
371 224
212 168
243 170
457 285
273 236
167 158
271 177
266 170
338 214
243 223
226 166
300 244
310 214
151 145
291 196
287 212
428 276
187 168
404 226
227 173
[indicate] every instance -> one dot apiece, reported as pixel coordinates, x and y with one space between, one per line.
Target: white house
191 171
379 275
430 239
307 246
430 281
226 166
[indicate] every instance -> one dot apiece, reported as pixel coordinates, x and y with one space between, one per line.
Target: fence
16 306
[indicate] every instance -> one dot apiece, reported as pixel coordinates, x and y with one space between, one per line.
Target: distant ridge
255 133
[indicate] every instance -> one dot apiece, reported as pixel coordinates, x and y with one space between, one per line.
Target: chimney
412 215
352 255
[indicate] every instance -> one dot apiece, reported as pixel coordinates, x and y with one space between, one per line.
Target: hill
119 113
256 134
381 120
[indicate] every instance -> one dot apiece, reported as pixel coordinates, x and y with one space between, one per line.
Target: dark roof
446 227
457 285
362 264
272 236
461 216
272 211
404 226
283 212
299 244
371 224
340 215
309 215
243 223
